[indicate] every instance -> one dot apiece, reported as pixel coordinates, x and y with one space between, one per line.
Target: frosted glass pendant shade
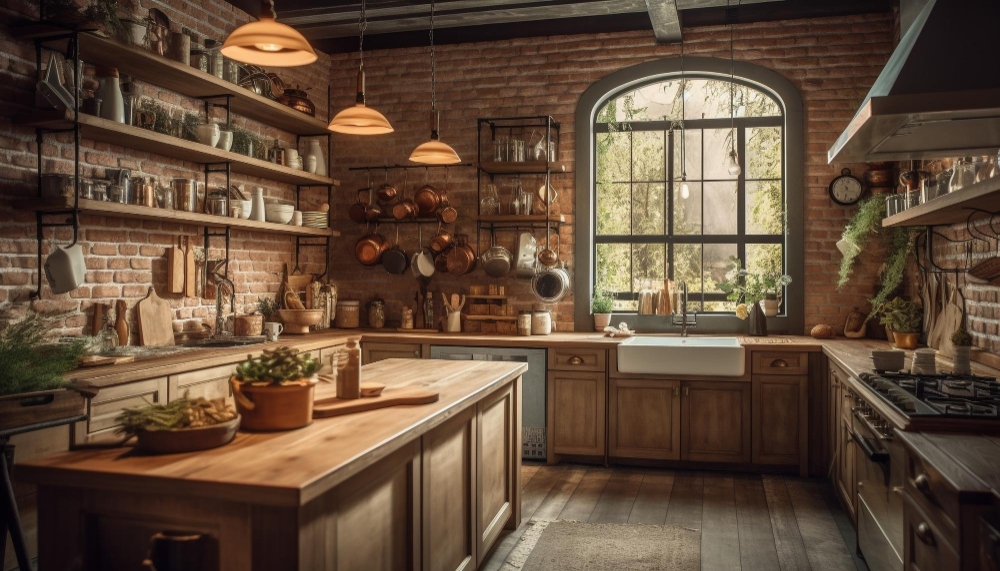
360 119
434 152
268 43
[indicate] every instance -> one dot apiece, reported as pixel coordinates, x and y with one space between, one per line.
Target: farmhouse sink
695 356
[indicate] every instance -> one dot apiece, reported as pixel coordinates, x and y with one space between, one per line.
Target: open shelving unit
951 208
176 76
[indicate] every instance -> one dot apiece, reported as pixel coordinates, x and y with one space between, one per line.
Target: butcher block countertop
288 468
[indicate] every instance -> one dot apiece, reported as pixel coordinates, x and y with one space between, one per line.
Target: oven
880 472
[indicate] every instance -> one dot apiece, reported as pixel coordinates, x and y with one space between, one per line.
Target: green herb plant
278 366
751 287
29 362
866 222
961 338
603 301
267 306
901 316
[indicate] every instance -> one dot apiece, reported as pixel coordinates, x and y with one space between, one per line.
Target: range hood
939 94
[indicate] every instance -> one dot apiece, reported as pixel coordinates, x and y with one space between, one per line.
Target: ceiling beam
666 20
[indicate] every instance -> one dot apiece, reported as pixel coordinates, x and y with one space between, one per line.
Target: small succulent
278 366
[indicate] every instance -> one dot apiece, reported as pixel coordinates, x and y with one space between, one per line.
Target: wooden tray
336 407
187 439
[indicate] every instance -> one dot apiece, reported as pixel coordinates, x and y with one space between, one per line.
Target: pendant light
268 43
360 119
685 190
434 152
733 160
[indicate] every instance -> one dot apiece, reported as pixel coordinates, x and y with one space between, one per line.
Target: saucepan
395 260
361 211
422 263
441 241
462 258
385 193
369 248
496 261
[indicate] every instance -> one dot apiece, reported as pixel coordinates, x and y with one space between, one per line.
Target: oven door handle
869 450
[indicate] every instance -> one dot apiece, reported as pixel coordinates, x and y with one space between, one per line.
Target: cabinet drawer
780 363
926 488
578 359
374 352
110 402
206 383
925 547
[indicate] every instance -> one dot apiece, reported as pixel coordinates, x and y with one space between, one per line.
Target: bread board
101 360
155 321
327 407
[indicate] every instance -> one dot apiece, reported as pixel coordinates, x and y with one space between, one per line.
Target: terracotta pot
274 407
601 320
906 340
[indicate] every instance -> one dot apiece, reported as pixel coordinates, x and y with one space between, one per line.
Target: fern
897 259
865 222
28 362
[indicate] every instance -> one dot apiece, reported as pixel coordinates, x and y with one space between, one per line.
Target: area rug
572 546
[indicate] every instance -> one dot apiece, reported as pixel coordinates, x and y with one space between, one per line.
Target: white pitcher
257 205
316 151
65 269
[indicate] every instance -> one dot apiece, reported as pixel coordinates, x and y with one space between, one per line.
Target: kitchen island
427 486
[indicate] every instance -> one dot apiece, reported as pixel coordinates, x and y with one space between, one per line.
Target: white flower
742 312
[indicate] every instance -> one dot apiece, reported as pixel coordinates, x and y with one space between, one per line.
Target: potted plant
275 391
962 341
268 307
758 294
602 304
32 388
904 319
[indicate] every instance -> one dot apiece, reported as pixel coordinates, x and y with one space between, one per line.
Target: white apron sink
695 356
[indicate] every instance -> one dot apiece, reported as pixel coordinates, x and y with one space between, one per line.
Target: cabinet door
449 495
833 425
644 419
207 383
780 420
577 404
498 464
715 421
374 352
110 402
846 482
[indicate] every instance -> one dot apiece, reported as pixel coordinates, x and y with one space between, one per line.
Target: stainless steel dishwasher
532 388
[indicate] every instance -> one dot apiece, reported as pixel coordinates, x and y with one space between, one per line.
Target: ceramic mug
272 330
65 269
225 140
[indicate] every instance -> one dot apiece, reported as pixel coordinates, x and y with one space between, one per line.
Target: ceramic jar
348 314
257 205
316 151
541 322
110 94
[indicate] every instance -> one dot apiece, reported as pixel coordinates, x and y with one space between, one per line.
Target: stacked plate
891 360
315 219
924 362
278 213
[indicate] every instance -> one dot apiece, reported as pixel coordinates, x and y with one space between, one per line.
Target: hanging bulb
685 191
733 163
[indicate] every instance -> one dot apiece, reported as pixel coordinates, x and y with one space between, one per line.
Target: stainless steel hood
939 94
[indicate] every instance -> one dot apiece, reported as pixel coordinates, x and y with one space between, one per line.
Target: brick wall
125 256
832 61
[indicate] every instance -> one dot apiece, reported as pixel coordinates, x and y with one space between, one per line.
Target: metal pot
404 209
496 261
551 284
369 248
422 263
428 199
441 262
441 241
298 99
462 258
395 260
386 193
361 212
448 214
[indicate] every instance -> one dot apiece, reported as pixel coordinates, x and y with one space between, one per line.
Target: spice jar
376 313
524 323
541 322
348 314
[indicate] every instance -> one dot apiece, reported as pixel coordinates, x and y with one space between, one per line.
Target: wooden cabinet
576 412
835 386
577 359
372 352
644 419
780 420
715 421
449 495
207 383
846 481
110 402
924 545
780 363
498 449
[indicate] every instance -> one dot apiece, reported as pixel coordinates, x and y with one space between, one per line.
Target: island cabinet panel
497 445
715 421
327 357
110 402
372 352
577 412
780 420
449 495
207 383
644 419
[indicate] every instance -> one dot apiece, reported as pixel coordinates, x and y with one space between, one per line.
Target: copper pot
440 242
386 193
404 209
428 199
448 214
369 248
462 258
441 262
298 99
548 257
362 212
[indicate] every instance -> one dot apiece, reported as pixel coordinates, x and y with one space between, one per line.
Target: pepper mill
121 325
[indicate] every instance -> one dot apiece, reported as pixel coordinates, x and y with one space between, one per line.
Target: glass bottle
108 336
376 314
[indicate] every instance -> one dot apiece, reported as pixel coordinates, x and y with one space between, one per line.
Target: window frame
791 122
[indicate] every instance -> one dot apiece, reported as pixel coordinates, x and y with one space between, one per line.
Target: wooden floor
748 522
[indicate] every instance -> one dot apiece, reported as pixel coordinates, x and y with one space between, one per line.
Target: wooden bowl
187 439
297 321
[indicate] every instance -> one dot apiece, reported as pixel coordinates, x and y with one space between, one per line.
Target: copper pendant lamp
360 119
434 151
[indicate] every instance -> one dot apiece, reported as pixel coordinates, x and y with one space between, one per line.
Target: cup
272 330
291 157
208 134
225 140
297 218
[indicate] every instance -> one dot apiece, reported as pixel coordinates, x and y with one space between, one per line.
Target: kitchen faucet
224 286
684 323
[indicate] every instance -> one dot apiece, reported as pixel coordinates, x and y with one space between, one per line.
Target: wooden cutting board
189 289
175 268
155 321
100 361
336 407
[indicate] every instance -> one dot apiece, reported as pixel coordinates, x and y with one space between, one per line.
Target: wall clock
846 189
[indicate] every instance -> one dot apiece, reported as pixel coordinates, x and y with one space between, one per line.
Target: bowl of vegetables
275 391
184 425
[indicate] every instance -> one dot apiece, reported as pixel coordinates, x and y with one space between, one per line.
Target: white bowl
278 217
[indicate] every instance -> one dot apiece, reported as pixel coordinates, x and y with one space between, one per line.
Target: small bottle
349 378
109 337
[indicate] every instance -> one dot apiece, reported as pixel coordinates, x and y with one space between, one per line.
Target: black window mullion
741 198
668 203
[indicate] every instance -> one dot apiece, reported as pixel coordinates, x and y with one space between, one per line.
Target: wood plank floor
748 522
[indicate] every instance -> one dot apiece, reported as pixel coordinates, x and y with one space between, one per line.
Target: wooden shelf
521 219
951 208
176 216
144 65
531 167
491 317
491 297
112 132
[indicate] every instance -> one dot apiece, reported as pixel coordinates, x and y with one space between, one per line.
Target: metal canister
185 194
524 323
144 192
217 203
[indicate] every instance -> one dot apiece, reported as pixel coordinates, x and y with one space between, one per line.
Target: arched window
669 198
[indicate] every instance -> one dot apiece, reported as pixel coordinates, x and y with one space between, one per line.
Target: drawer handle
922 483
779 363
576 360
923 533
416 353
677 391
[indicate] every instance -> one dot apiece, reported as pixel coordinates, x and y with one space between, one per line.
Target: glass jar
541 322
108 337
524 323
963 175
376 313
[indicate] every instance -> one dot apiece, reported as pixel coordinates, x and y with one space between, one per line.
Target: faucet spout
684 322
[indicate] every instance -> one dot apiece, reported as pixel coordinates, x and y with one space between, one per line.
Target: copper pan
370 247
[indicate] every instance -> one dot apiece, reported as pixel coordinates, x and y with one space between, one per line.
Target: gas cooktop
942 395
